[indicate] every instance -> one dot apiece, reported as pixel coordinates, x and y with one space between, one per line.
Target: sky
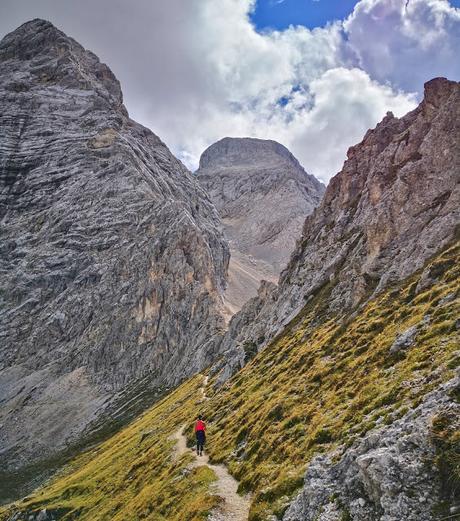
280 14
311 74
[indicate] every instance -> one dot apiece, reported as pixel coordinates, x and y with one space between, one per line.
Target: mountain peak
263 195
38 53
438 90
91 203
39 24
31 39
233 151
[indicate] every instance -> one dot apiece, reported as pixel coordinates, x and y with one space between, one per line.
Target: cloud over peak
195 71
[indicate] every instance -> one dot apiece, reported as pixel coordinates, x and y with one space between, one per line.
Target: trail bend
234 507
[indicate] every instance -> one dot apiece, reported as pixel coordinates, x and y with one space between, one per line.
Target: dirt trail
234 507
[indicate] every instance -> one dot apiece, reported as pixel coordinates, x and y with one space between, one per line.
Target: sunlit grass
313 389
134 475
319 387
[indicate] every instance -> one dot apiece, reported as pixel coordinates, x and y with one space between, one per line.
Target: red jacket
200 426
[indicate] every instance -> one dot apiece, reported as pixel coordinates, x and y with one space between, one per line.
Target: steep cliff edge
112 257
394 204
263 196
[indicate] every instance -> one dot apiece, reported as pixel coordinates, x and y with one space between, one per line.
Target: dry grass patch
134 474
317 387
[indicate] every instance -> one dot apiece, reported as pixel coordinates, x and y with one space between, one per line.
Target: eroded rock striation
112 257
395 203
263 196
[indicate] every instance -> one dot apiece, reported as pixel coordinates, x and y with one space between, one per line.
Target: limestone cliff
395 203
112 257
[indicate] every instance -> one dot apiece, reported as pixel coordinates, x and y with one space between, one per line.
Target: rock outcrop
112 257
395 203
263 196
388 475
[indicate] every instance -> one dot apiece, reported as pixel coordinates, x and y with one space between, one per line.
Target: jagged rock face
112 257
263 196
388 475
395 203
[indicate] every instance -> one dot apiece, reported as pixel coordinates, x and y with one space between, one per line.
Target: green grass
134 474
319 386
323 383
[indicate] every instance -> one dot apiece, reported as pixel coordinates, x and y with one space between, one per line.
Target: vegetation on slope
134 475
446 438
323 383
318 386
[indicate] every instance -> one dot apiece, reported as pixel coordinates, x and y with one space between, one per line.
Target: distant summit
394 204
231 151
263 195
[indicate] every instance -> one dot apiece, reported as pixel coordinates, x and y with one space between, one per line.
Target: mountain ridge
370 230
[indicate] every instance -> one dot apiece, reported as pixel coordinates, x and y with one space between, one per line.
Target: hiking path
234 507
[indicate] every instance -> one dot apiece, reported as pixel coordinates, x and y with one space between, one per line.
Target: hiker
200 428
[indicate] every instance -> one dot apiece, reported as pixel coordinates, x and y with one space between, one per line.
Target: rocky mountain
384 475
392 207
331 421
337 393
262 195
112 258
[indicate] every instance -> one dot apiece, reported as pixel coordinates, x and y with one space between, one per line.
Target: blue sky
280 14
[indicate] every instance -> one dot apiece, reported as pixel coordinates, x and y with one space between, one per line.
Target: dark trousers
200 440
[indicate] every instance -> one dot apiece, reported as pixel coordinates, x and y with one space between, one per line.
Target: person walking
200 433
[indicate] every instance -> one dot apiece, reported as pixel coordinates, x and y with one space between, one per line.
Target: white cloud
347 103
195 71
327 103
405 42
317 125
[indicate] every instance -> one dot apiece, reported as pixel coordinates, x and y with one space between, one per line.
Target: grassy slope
134 474
321 384
316 387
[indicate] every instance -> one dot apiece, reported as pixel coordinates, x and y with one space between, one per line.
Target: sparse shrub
445 434
411 292
291 422
455 394
323 436
346 516
242 435
439 267
277 413
250 350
